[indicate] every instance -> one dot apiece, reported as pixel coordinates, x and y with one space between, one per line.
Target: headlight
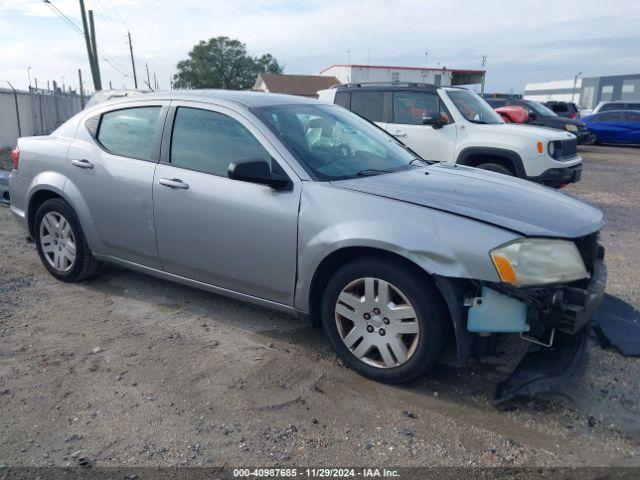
552 149
571 128
537 261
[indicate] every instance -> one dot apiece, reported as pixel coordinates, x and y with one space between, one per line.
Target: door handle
175 183
82 163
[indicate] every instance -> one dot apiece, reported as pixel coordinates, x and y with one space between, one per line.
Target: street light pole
29 75
575 82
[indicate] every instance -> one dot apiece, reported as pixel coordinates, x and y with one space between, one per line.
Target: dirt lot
129 370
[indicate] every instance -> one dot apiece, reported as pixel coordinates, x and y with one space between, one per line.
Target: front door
112 172
232 234
409 109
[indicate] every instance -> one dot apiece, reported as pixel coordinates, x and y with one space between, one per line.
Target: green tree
222 62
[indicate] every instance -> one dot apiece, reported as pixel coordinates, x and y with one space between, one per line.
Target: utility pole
426 57
29 74
93 60
81 88
146 64
155 81
94 48
482 64
133 63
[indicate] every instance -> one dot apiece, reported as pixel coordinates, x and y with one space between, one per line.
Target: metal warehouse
587 92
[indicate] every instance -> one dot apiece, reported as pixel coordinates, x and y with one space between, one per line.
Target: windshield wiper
372 171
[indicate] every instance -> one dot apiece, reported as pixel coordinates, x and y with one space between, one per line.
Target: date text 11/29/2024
315 472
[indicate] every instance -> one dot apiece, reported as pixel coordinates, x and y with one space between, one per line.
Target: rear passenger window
342 99
610 117
369 105
209 141
129 132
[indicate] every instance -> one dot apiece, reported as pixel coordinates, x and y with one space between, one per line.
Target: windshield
334 143
473 108
541 109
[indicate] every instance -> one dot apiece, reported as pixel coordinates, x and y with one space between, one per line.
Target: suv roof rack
388 84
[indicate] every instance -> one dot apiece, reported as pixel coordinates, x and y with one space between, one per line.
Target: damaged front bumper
553 317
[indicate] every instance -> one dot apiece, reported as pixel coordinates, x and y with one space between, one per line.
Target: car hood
525 131
560 122
507 202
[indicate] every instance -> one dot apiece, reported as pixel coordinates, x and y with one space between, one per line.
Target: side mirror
257 171
435 122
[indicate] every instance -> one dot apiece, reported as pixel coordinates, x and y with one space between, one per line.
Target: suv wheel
496 167
61 243
385 320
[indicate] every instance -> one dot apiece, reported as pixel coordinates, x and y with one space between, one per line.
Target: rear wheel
61 243
496 167
386 320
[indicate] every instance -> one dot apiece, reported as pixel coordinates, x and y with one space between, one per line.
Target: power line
108 22
106 57
124 24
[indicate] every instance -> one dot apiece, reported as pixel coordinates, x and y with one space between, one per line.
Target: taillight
15 158
573 115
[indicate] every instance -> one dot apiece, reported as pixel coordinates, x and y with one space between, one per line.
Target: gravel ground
129 370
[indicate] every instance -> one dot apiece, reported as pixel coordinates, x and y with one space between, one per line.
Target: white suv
449 124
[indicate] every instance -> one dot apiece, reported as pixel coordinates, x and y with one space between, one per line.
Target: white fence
39 112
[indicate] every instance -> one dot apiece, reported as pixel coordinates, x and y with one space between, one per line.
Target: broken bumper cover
566 309
547 369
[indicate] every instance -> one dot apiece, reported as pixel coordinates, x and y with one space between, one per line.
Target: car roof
249 99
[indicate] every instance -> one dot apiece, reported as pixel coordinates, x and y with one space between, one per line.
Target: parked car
564 109
513 114
543 116
308 209
615 126
448 124
616 105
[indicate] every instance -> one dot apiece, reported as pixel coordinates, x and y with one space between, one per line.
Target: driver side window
409 108
208 142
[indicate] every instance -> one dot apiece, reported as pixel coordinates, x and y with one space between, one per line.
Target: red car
513 114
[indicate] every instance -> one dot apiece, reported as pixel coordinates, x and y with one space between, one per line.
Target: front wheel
386 320
61 244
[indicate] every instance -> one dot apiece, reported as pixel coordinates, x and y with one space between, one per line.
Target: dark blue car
616 126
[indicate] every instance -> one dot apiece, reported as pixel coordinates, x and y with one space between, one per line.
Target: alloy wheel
377 323
57 241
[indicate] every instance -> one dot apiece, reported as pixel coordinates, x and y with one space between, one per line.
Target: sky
524 41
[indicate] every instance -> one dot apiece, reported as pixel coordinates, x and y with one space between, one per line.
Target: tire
431 320
56 230
496 167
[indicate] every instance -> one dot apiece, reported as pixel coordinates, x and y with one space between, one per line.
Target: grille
568 148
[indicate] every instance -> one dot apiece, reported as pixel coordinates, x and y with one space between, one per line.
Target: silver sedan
309 209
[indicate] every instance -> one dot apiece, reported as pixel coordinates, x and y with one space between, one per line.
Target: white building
382 73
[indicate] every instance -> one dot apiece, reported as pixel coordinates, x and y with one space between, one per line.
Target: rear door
232 234
110 168
409 108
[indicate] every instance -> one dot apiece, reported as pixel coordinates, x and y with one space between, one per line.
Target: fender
61 185
466 153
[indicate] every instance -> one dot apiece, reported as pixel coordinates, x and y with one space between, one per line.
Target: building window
395 76
606 93
630 90
586 98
